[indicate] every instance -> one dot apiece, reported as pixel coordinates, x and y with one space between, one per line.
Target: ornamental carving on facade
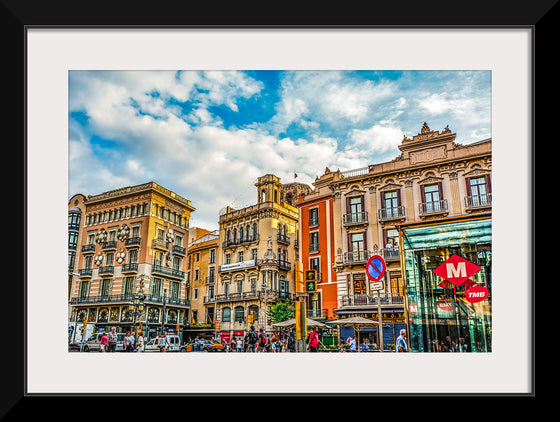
98 259
101 236
121 254
123 233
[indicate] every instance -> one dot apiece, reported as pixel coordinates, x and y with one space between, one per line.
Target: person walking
239 345
314 341
163 343
401 342
103 343
263 341
352 344
251 339
140 343
112 339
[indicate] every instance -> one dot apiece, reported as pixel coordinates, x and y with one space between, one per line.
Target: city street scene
280 212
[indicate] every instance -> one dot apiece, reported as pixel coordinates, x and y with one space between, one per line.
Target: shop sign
413 308
445 305
456 270
476 294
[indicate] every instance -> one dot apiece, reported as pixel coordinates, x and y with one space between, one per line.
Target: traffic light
250 318
310 280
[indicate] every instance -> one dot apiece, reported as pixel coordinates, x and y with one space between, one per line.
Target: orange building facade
133 242
317 247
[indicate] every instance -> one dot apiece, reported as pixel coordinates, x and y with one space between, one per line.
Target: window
226 314
228 258
357 246
254 254
136 231
240 257
105 287
88 261
391 238
212 258
313 217
129 285
478 188
239 313
195 293
133 256
240 286
197 257
174 289
196 274
391 202
253 284
313 242
211 274
110 258
155 287
431 198
72 240
314 264
84 289
355 209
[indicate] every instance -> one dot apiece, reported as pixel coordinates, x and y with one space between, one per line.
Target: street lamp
137 304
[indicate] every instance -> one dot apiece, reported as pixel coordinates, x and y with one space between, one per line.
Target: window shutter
399 197
422 194
488 185
347 205
440 190
468 182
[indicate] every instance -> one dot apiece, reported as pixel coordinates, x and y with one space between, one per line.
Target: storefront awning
445 235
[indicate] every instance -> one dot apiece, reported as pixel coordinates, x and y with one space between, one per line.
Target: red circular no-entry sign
375 268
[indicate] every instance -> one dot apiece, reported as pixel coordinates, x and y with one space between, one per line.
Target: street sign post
375 270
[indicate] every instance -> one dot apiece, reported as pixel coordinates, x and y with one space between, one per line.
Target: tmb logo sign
456 270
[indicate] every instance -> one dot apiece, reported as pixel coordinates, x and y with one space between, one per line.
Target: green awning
474 231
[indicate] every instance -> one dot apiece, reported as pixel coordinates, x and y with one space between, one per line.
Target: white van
93 343
153 345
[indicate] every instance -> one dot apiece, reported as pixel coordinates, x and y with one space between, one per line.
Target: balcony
85 272
282 238
356 257
178 250
110 245
229 243
169 272
133 241
355 218
391 254
313 221
395 213
478 202
284 265
159 244
432 208
107 269
129 268
89 248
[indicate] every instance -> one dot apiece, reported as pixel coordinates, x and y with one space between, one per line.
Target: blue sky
209 135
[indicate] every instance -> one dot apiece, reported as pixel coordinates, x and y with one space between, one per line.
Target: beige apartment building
434 182
202 276
259 247
133 244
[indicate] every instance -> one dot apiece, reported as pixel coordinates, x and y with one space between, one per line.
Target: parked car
153 345
202 345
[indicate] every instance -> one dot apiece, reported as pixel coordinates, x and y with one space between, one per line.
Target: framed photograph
67 152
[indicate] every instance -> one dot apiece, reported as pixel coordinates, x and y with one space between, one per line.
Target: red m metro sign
456 270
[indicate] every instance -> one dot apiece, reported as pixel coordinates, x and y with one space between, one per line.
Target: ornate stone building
256 261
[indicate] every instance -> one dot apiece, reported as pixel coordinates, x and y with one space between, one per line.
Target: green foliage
281 311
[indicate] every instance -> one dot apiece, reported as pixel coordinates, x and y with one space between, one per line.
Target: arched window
263 196
234 235
229 234
239 313
226 314
248 236
255 231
